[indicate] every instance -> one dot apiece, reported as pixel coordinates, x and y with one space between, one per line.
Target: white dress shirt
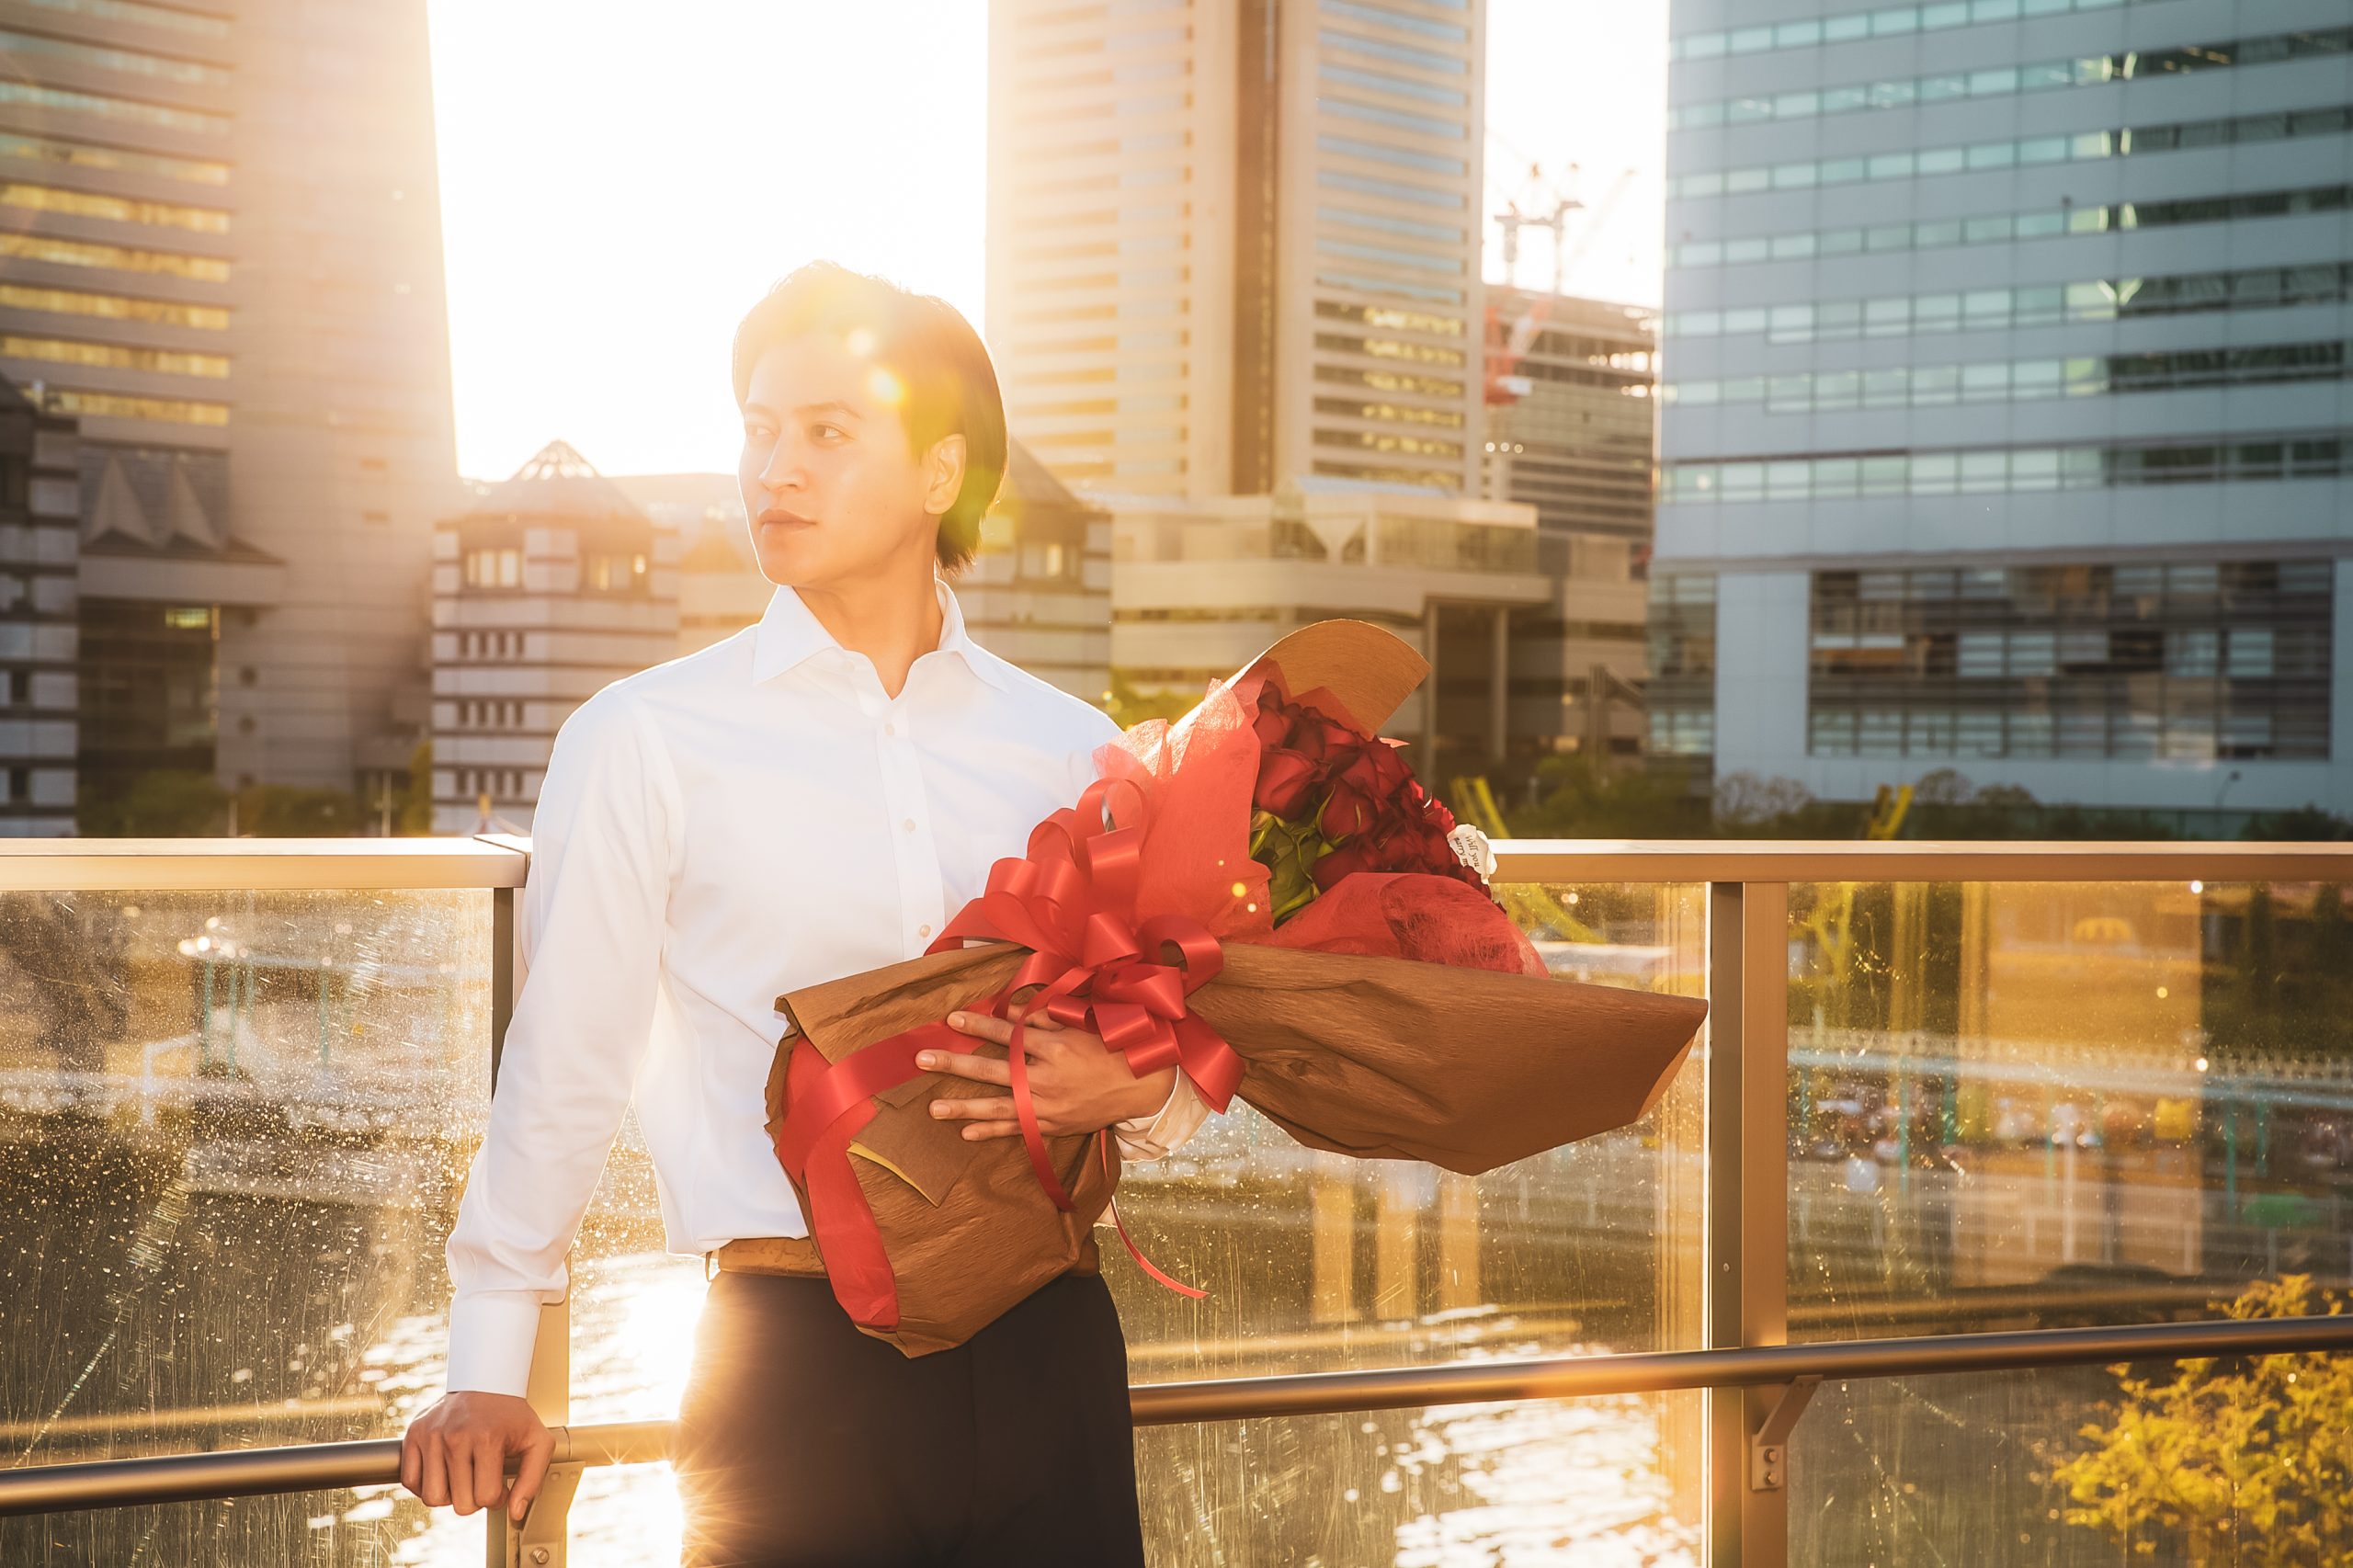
711 834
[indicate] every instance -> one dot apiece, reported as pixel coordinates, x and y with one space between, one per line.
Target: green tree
294 811
165 803
416 805
2238 1461
1127 706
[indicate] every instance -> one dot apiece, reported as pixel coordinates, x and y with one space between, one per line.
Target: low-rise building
1201 586
548 587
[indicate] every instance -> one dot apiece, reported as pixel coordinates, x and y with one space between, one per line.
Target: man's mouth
776 516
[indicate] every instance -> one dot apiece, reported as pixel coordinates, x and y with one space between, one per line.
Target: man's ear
943 473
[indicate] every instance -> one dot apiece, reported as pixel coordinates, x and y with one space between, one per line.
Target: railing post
540 1544
1747 1292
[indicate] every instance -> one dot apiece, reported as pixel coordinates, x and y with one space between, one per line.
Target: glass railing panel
1316 1262
1546 1481
234 1127
2021 1106
2078 1467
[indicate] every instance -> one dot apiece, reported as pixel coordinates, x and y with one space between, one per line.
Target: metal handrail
500 860
247 1473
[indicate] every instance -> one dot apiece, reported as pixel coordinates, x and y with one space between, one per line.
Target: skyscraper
1234 245
222 254
2005 423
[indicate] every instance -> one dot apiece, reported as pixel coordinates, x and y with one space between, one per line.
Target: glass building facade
2003 419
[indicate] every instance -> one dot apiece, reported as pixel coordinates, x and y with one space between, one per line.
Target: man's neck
893 620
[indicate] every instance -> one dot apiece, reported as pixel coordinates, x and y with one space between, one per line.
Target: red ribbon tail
1129 1242
1017 1060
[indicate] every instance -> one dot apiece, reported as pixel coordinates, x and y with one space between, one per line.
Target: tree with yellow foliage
2245 1460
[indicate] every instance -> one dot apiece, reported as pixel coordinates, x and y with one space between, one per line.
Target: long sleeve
590 924
1149 1137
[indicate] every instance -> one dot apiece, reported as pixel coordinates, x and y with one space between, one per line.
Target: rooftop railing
1745 1085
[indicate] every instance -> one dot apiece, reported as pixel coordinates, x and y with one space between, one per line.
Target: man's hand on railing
455 1454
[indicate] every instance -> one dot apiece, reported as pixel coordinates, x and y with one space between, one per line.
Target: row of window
114 307
1389 318
2075 591
2199 652
1393 288
1354 218
2005 380
2041 304
1395 53
1382 82
120 160
474 714
1389 473
2078 71
490 644
1999 470
1391 191
2201 733
113 209
1891 21
1420 261
1980 156
163 19
1390 442
129 111
132 62
1396 119
116 405
498 783
1389 381
113 356
1405 21
1384 153
2001 228
1393 413
118 258
1388 348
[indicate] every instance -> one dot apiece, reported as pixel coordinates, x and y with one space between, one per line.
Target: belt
797 1256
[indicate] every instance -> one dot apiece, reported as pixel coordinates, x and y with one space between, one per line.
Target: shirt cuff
1149 1137
491 1336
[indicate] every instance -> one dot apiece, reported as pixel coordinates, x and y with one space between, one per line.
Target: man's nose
784 470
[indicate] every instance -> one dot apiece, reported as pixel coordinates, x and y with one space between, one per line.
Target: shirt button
922 930
908 826
889 729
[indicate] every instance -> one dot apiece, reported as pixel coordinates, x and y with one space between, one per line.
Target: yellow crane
1534 907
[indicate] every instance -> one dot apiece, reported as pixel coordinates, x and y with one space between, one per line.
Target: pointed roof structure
559 485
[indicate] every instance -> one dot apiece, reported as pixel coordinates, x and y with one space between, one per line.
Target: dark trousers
802 1441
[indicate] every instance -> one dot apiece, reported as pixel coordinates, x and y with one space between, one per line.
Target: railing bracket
540 1544
1768 1450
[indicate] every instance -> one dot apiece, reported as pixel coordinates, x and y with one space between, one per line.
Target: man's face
830 486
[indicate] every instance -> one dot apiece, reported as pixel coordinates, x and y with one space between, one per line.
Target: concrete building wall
223 257
1989 333
1218 233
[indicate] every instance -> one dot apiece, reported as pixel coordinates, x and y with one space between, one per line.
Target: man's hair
949 385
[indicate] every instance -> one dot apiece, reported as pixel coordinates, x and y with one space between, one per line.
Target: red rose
1285 781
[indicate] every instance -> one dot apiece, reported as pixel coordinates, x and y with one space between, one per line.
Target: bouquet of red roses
1260 894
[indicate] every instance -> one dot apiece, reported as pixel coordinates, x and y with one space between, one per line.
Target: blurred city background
1773 419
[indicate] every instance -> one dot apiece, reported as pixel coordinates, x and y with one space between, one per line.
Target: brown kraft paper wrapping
1374 1057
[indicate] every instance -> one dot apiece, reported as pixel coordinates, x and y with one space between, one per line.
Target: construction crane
1548 207
1531 907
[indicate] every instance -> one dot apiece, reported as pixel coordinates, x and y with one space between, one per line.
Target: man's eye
757 432
827 432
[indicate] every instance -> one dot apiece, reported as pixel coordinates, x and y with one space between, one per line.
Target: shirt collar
788 634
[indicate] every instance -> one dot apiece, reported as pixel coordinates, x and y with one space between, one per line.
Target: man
811 798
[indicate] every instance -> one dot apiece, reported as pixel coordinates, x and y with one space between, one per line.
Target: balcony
1973 1125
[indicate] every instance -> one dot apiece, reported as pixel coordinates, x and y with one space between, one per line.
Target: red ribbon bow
1071 901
